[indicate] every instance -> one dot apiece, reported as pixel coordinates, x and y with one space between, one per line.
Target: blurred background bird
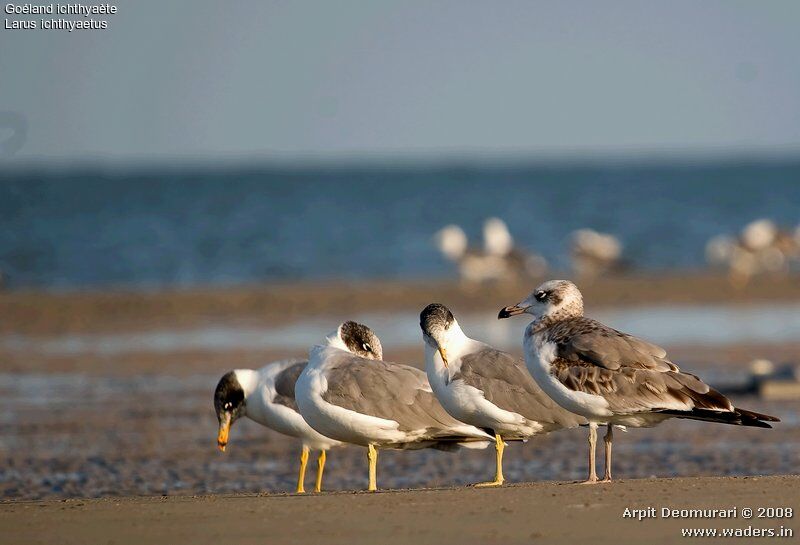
761 248
498 260
595 253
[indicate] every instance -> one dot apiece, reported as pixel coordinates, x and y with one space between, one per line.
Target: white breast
539 356
467 403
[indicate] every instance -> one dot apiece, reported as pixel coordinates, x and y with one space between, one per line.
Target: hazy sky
276 79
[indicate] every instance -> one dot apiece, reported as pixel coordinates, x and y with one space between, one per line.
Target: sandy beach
530 513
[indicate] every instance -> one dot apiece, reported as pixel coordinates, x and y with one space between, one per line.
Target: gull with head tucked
486 387
610 377
348 393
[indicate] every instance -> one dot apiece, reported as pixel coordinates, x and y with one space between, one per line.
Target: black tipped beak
508 312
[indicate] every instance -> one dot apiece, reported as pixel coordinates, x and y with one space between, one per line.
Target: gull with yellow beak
266 396
486 387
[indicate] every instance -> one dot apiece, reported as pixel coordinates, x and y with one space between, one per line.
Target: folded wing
636 376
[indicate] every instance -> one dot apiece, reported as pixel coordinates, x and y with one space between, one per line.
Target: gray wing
391 391
505 382
284 385
631 374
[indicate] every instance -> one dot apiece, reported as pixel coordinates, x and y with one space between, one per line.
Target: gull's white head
451 241
440 329
357 339
496 238
555 299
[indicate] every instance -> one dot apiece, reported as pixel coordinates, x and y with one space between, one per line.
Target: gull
474 264
610 377
346 392
761 248
486 387
267 396
595 253
498 260
498 242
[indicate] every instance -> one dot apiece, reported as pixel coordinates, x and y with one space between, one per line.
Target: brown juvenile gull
346 392
486 387
266 396
609 377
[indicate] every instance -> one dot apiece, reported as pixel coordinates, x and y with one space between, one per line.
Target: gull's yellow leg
301 477
372 456
499 447
320 469
608 439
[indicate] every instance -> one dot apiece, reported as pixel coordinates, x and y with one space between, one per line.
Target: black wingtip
737 417
749 416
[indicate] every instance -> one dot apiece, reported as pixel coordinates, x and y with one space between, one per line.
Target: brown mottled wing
589 340
505 382
284 385
631 374
387 390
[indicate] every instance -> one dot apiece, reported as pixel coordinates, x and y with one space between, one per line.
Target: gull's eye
540 295
366 347
227 405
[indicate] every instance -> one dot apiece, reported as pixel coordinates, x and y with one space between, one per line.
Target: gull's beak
443 353
224 428
513 310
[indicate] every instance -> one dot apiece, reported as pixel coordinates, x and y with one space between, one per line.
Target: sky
281 79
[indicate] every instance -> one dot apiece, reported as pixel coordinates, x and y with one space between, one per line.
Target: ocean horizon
162 225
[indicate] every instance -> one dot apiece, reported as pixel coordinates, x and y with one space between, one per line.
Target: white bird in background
609 377
497 239
594 253
761 248
758 235
267 396
348 393
498 260
720 250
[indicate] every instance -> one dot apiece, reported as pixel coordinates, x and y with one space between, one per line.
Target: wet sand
34 312
140 423
531 513
78 435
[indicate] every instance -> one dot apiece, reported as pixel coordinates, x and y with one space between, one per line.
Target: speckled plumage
631 376
610 377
